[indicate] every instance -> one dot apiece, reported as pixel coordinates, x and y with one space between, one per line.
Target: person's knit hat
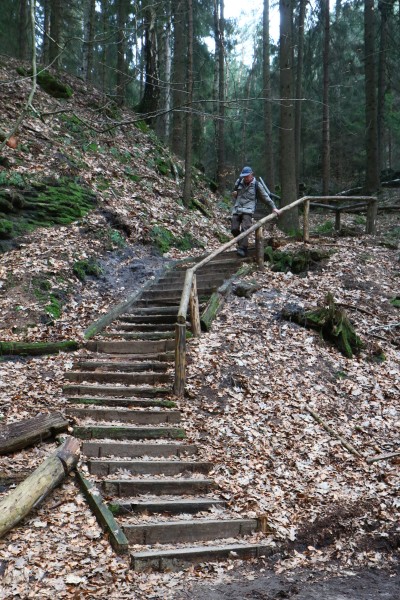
246 171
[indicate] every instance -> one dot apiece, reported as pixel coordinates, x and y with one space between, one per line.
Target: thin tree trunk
371 139
55 33
299 86
326 144
45 53
187 190
164 121
89 28
269 147
149 102
178 85
289 220
385 8
219 34
22 30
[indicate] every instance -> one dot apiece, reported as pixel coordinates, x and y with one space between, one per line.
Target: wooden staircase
120 399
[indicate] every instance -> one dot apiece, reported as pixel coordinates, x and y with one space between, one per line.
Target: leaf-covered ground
250 380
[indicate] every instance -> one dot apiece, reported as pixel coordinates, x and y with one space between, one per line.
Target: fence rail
189 298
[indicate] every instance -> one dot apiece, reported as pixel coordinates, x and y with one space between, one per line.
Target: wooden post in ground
180 359
372 211
260 247
306 222
338 213
194 309
28 494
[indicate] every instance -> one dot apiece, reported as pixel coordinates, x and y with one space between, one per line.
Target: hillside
250 379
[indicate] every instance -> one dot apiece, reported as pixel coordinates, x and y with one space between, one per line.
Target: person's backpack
240 181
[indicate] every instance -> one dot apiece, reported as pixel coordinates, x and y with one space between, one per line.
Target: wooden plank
100 449
103 515
194 530
148 378
173 506
127 433
131 347
140 417
16 436
126 402
170 559
37 348
149 467
158 487
121 391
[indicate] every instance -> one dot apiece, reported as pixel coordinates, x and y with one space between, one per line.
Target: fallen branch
386 327
382 457
18 503
329 429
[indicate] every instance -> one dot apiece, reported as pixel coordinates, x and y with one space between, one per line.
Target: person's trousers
240 223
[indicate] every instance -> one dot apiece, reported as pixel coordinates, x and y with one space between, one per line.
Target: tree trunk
28 494
55 34
371 138
290 219
269 148
23 30
220 130
121 51
385 8
326 144
89 29
149 102
45 53
299 87
187 190
178 71
164 120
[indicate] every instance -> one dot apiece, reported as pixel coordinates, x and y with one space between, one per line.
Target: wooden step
100 449
134 378
143 327
188 531
119 391
170 559
142 347
152 310
147 319
121 402
139 335
105 467
123 432
174 505
158 487
162 357
140 417
118 365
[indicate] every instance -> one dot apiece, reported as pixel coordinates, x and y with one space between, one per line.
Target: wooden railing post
180 359
372 211
337 219
194 309
306 222
260 247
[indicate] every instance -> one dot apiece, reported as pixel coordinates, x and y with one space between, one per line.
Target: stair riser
176 559
104 449
124 433
126 416
126 367
172 507
147 467
157 488
126 402
124 378
129 392
184 532
132 347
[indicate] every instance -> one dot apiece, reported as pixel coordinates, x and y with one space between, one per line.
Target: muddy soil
301 585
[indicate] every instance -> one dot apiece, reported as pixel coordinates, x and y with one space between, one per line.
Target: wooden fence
189 298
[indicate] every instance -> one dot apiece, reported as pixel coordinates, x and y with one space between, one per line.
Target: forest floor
331 519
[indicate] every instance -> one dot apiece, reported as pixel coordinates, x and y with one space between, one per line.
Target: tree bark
26 496
290 219
371 138
326 143
30 431
55 34
121 51
163 123
299 87
220 129
178 75
386 9
187 190
88 44
149 102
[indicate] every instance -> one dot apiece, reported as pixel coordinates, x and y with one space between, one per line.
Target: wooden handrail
180 346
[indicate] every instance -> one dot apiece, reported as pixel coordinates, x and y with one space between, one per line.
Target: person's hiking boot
242 252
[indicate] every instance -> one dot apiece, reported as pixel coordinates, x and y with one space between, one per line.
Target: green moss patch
87 268
50 84
295 262
164 240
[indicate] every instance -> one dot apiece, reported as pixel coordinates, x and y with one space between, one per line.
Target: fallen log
18 503
30 431
378 457
36 348
217 299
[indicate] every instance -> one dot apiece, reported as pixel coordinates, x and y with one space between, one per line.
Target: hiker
247 192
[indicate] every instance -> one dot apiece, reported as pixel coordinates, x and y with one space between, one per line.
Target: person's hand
276 211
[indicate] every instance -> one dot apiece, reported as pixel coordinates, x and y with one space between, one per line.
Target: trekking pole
270 194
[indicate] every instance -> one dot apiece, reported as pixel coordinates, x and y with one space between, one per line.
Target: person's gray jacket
246 200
